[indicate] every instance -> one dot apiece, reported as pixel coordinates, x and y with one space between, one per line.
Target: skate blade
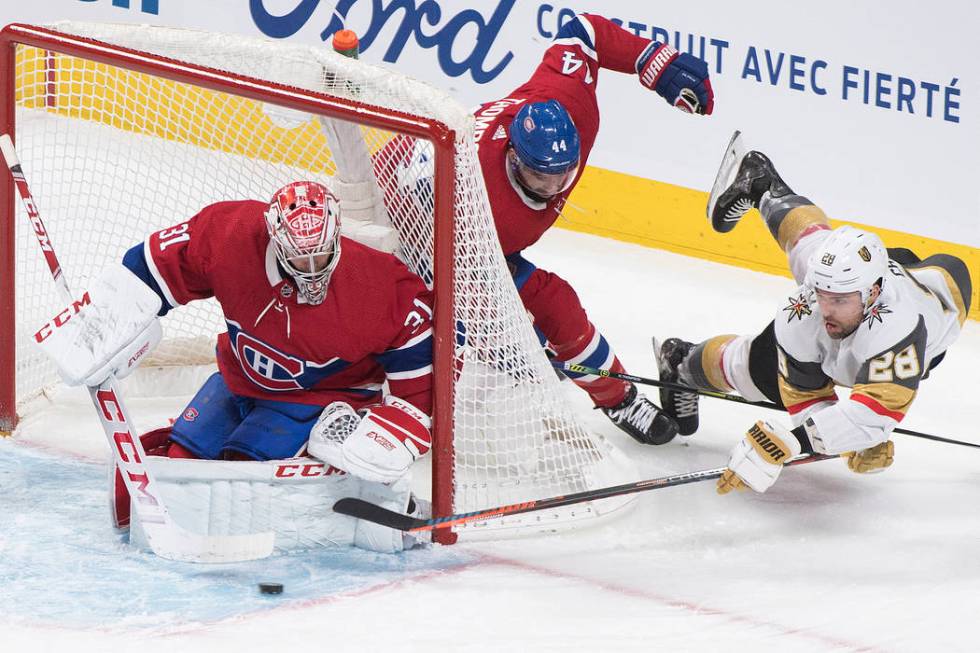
656 354
726 172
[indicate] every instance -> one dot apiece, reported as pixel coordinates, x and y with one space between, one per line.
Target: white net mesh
112 155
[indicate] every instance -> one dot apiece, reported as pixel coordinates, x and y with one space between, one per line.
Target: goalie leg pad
397 497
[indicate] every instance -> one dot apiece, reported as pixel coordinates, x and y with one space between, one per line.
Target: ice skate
742 180
642 419
683 406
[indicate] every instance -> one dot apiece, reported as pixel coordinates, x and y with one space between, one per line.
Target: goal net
124 130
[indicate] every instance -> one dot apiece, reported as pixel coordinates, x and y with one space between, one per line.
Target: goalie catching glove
758 458
110 330
678 77
380 446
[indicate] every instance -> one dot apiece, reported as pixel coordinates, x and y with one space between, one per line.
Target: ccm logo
62 318
307 470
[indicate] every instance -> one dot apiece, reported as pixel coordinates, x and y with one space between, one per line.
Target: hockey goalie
294 417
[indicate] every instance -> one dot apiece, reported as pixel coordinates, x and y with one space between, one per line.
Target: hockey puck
270 588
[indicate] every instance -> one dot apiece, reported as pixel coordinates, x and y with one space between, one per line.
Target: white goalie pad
293 498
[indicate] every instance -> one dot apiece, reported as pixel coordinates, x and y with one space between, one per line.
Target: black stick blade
368 511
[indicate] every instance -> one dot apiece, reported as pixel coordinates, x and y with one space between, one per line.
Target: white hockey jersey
918 315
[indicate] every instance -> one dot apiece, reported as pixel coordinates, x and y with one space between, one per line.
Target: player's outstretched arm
383 443
174 262
680 78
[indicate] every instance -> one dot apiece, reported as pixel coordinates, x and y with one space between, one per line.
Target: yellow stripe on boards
656 214
154 106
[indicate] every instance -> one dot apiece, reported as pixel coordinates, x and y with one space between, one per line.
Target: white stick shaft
17 172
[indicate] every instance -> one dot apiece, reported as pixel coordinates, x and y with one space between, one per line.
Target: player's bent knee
555 306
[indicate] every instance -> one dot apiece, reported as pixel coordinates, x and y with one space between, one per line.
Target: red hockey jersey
568 73
374 324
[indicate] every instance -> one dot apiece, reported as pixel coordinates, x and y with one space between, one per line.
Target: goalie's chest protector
276 344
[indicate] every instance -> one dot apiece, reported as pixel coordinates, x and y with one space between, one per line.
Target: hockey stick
166 538
594 371
373 513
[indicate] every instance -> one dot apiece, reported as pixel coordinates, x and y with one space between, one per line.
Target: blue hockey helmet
545 147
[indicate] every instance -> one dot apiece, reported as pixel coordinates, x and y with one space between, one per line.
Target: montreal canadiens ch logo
266 367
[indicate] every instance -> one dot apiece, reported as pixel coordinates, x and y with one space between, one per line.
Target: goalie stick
594 371
368 511
166 538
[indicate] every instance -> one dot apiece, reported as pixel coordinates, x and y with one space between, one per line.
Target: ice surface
826 560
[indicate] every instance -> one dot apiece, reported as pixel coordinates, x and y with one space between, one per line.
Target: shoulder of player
365 264
578 32
234 219
492 120
797 325
885 327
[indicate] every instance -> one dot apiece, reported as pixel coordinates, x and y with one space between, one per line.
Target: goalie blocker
108 331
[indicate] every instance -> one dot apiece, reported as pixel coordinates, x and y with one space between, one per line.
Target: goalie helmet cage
125 129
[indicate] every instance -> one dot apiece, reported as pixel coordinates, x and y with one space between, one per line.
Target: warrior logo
874 314
766 444
798 307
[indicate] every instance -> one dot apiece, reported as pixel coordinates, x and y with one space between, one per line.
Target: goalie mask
849 260
304 226
544 150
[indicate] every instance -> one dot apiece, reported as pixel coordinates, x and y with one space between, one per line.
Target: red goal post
505 434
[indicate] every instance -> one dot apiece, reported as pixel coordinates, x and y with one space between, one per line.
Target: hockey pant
218 424
563 326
